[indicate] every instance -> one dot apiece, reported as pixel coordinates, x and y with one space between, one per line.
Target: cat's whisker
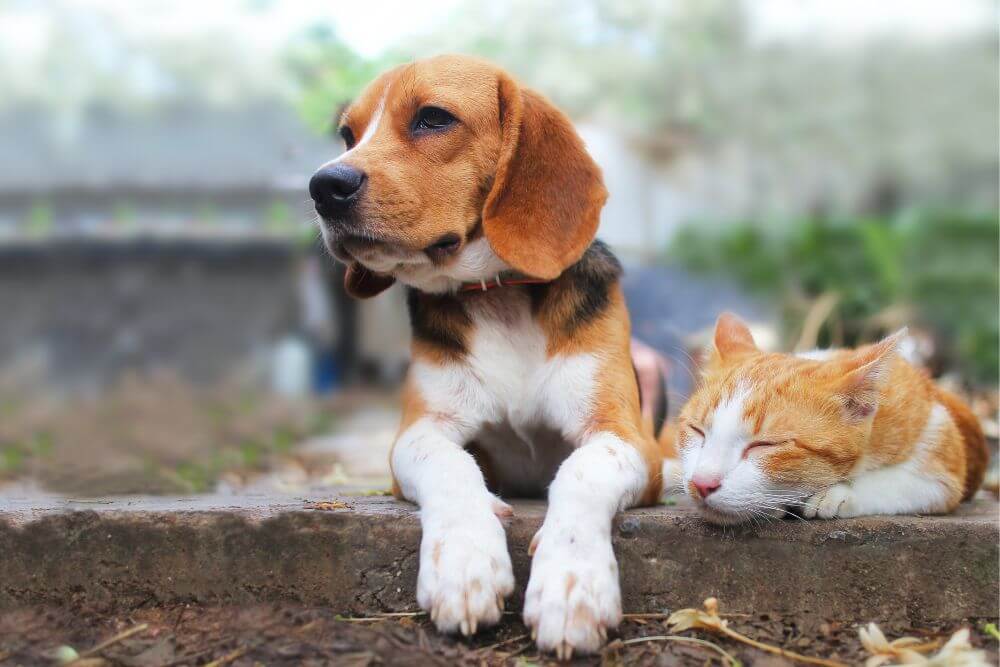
781 501
784 511
683 364
675 396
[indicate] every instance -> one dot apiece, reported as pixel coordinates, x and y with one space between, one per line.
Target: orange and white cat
838 433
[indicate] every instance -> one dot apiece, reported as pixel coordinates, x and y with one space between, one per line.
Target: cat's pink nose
706 486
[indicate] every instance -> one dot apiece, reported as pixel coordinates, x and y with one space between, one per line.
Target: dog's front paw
465 571
831 503
573 595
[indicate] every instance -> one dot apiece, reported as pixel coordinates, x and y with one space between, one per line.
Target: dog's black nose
336 186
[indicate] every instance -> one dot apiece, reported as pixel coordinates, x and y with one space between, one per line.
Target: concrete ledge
363 558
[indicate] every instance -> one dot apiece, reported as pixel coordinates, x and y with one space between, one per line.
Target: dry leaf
709 619
957 652
328 505
685 619
883 651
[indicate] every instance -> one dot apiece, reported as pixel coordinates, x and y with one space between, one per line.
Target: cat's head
764 431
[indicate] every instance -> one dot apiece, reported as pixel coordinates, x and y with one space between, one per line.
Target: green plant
939 267
278 217
40 219
329 75
124 215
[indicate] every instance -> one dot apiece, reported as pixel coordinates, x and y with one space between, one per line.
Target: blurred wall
78 314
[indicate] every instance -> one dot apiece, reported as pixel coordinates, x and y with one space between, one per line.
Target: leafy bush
937 270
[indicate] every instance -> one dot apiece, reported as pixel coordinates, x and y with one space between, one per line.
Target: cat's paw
835 502
465 572
673 477
573 595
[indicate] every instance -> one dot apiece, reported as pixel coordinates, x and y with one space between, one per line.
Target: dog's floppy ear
543 209
361 283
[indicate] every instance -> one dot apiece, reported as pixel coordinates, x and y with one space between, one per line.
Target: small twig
189 657
653 616
387 616
180 617
422 640
307 627
396 614
517 651
109 642
733 662
229 657
777 650
506 641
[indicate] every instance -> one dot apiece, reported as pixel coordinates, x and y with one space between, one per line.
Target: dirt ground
155 433
283 634
158 434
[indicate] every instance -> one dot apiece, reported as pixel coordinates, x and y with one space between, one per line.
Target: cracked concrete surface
363 558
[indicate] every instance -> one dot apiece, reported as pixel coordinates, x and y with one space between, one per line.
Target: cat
828 434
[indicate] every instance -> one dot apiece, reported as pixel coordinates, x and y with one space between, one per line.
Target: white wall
643 209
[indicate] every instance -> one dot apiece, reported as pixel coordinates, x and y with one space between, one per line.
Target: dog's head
453 173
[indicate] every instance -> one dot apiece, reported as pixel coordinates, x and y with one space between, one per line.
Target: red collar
499 281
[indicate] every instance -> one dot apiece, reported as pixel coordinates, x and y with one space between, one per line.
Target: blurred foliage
808 123
329 74
278 218
124 215
127 57
39 219
939 268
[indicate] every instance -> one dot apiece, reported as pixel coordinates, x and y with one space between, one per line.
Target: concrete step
362 558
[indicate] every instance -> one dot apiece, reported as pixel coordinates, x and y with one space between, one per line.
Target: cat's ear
861 376
732 338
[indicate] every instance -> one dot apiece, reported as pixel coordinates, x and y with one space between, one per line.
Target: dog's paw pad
573 596
465 574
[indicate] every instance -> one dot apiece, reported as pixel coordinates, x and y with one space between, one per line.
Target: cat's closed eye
758 444
695 434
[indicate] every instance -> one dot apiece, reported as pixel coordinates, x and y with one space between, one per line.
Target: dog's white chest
507 362
525 409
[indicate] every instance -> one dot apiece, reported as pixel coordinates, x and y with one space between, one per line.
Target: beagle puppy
478 195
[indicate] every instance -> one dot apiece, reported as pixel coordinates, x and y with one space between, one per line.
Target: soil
285 634
158 434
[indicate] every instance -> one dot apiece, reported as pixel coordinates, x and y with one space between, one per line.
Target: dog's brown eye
347 136
432 118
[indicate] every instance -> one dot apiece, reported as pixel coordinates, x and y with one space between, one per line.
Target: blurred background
169 322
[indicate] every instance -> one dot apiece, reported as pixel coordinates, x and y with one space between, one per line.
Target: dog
479 196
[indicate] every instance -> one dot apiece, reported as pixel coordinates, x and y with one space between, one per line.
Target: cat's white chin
732 518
